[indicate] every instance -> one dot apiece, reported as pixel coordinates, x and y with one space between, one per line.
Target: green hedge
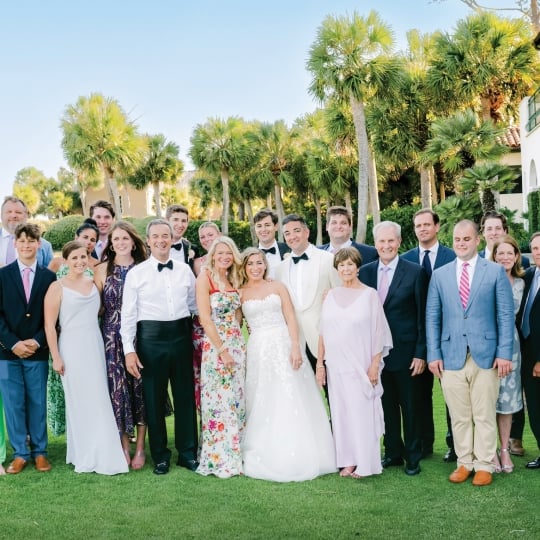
63 230
533 202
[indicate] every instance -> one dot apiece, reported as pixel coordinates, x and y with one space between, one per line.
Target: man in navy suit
431 255
15 212
528 322
470 336
23 351
402 288
266 226
339 229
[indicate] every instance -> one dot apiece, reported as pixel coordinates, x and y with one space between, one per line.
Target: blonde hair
233 273
246 254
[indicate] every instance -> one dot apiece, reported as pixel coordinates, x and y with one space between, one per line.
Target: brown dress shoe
516 447
42 464
460 475
482 478
16 466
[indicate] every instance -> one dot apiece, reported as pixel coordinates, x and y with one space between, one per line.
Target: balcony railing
534 111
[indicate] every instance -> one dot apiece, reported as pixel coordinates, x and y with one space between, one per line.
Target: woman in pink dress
354 337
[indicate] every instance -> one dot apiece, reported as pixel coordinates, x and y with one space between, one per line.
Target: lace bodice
264 313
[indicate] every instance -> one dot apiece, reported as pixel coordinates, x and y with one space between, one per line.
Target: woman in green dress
88 234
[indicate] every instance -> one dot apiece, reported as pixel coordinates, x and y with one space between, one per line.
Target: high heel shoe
496 463
506 468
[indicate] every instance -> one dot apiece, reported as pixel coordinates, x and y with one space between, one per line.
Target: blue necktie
426 263
525 325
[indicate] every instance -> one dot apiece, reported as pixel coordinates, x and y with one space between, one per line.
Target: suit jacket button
28 314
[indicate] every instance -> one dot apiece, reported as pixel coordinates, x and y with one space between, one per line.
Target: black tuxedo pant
401 405
531 386
165 349
426 425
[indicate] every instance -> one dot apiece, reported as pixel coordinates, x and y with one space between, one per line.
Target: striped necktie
464 288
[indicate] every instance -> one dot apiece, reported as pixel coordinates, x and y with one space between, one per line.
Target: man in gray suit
470 335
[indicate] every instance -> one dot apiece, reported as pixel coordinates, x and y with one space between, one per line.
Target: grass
62 504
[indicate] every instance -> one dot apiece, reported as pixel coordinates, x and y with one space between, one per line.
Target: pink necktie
10 251
383 285
26 282
464 288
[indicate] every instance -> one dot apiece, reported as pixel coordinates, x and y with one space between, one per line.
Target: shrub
63 231
533 202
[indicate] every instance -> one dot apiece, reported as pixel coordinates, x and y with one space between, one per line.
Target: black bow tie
161 266
271 250
299 258
178 246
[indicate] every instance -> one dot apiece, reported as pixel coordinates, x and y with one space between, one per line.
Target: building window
534 111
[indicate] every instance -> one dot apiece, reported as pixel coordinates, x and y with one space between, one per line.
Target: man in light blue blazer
469 329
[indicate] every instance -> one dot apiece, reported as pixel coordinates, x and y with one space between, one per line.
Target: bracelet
222 348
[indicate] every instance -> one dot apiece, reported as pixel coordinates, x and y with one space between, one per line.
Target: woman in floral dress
124 249
88 234
223 361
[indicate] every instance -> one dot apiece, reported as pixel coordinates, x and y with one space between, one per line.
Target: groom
24 352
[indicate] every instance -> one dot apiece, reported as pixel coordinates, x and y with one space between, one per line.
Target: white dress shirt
5 239
432 254
150 295
391 271
178 254
334 249
298 273
32 274
470 269
274 259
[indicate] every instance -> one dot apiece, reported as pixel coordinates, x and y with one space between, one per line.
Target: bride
287 435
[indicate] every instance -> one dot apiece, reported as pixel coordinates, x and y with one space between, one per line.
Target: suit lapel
479 273
396 280
17 280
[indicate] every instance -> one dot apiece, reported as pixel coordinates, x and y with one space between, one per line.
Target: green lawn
62 504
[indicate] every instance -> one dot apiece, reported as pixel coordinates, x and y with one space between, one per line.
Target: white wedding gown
287 435
93 441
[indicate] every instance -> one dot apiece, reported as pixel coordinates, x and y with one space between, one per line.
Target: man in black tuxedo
431 255
339 229
23 351
402 288
182 249
528 322
266 226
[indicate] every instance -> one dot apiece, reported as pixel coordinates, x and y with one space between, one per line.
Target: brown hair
102 204
139 253
29 229
176 209
338 211
246 254
517 269
71 246
347 253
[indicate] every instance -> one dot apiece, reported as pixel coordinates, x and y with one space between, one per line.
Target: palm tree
488 63
219 147
348 61
99 138
274 147
160 164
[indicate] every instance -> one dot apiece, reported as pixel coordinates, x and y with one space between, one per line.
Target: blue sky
171 64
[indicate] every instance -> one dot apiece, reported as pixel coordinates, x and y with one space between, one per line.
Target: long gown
56 405
355 329
510 398
93 441
222 392
125 391
287 436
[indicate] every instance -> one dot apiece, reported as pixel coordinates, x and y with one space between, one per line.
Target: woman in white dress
93 442
287 436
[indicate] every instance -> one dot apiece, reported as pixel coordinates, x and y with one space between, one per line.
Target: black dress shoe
412 469
190 464
391 462
161 468
450 456
534 464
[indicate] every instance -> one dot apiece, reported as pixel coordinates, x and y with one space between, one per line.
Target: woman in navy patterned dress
124 249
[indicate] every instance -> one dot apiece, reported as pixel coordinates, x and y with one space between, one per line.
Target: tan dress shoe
16 466
482 478
516 447
42 464
460 475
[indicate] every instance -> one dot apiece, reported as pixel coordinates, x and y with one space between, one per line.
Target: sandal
138 461
347 471
506 468
355 475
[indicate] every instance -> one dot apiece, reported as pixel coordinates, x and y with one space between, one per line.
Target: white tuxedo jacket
318 275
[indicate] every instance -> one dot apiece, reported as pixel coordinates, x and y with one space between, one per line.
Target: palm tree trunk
359 119
535 16
374 189
112 187
433 181
279 205
441 190
486 109
225 209
249 212
241 211
348 206
319 219
425 186
157 198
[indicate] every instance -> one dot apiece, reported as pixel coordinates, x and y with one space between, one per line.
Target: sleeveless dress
56 406
125 391
354 329
510 398
287 436
93 442
222 392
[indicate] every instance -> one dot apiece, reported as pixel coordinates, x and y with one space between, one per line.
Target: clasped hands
25 348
